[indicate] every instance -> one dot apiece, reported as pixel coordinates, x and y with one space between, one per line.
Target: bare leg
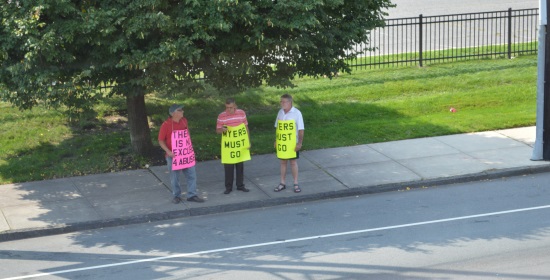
294 169
283 171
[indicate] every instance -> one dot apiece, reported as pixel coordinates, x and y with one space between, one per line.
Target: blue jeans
190 175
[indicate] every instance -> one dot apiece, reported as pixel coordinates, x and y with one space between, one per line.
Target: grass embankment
368 106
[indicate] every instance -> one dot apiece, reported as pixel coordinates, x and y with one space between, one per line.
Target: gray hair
287 97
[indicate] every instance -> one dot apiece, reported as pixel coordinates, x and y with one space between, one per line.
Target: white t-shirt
293 114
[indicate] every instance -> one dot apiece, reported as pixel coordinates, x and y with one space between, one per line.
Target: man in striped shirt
232 117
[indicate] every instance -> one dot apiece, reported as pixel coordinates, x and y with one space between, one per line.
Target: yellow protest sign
235 144
286 139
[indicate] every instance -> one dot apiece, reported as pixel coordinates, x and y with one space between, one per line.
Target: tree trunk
140 133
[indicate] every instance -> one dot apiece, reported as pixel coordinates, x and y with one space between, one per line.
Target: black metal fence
423 40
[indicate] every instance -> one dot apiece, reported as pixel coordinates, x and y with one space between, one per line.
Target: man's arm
221 129
300 139
163 145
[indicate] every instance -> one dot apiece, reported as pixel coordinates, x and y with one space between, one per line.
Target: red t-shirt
165 132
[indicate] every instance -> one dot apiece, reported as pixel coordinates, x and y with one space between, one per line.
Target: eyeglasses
179 110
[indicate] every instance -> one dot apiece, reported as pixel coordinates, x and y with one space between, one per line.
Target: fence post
509 33
420 39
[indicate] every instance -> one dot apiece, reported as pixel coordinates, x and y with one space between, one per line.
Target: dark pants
230 171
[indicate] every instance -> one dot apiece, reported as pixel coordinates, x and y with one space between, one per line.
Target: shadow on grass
77 156
98 142
331 124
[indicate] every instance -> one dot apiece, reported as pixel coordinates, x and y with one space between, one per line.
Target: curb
11 235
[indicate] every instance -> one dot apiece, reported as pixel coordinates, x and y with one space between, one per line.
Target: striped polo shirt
235 119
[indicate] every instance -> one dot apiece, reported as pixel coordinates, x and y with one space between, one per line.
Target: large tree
60 52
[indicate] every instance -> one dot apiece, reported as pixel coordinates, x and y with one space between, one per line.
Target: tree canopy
60 52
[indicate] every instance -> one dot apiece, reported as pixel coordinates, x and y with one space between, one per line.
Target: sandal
280 187
297 188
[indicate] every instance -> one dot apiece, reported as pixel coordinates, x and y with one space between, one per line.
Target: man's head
286 102
230 105
175 109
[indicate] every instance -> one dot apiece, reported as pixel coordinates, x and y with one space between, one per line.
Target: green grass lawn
368 106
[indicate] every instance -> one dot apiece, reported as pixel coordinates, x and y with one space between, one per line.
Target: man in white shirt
289 112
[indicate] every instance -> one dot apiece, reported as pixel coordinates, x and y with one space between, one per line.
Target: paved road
486 230
413 8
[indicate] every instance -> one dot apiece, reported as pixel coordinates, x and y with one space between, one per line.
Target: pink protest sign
184 155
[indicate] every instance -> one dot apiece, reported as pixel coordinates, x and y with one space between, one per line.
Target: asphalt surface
65 205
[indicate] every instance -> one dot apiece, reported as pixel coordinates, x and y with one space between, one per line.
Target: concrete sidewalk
71 204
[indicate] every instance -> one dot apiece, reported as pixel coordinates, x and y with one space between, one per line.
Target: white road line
277 242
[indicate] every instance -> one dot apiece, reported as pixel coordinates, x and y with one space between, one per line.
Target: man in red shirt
232 117
177 122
